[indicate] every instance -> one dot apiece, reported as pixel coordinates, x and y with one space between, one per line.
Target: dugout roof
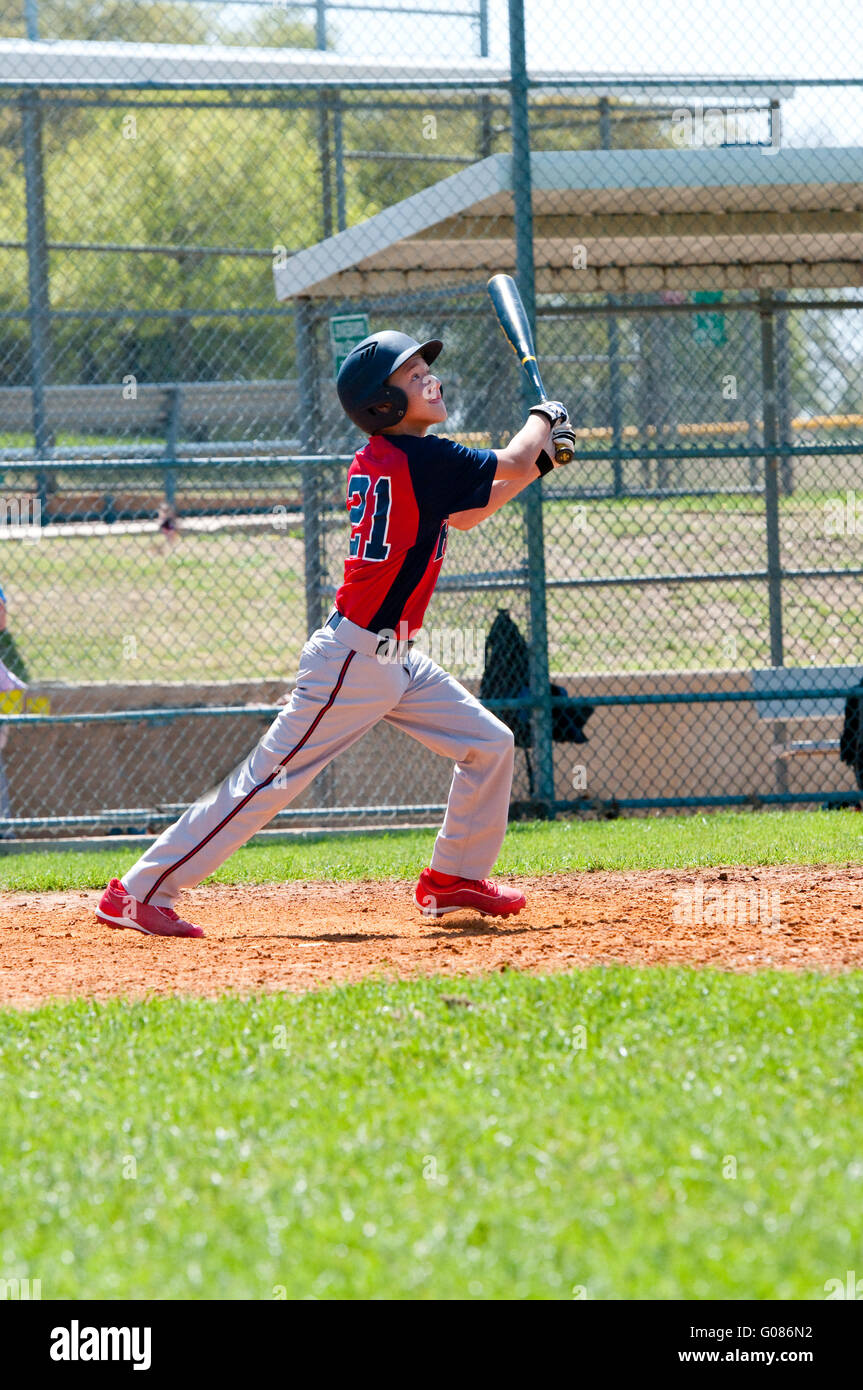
730 218
93 63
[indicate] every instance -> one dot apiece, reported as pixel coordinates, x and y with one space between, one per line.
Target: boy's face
425 403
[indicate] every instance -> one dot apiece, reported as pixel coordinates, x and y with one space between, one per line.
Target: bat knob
564 445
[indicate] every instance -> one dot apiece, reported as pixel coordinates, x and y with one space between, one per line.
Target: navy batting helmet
361 383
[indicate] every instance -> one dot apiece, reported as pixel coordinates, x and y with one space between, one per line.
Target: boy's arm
516 468
501 491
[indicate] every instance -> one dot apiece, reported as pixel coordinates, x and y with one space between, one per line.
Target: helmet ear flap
387 408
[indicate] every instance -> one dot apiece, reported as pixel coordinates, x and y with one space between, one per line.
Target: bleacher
204 410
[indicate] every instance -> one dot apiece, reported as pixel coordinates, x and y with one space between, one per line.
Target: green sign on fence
708 329
346 330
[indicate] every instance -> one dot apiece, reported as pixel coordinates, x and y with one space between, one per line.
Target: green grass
119 608
673 842
633 1134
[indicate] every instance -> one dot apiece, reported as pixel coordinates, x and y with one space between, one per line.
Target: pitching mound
303 935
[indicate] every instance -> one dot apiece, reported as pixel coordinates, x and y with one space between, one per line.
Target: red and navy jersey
401 490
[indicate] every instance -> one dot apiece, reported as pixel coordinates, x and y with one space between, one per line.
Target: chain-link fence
204 205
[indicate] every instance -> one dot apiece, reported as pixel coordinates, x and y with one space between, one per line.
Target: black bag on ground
507 677
851 740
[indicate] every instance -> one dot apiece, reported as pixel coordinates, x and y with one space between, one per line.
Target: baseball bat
512 318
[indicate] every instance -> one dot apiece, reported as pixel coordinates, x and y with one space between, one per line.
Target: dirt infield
300 936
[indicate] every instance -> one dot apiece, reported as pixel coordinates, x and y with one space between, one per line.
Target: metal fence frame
773 456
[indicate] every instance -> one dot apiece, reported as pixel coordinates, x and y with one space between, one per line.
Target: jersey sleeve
450 477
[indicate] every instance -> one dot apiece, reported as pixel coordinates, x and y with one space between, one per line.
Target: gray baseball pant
343 689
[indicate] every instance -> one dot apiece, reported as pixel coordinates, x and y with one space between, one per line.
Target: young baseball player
405 488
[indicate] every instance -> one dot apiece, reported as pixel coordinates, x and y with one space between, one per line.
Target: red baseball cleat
493 899
119 909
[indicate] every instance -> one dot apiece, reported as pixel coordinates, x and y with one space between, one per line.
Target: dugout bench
802 726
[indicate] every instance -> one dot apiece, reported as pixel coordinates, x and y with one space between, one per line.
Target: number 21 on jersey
360 495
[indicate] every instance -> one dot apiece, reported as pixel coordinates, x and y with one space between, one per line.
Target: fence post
172 439
606 140
614 390
305 357
324 128
751 410
38 294
486 132
771 477
523 208
339 154
783 393
39 306
647 412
